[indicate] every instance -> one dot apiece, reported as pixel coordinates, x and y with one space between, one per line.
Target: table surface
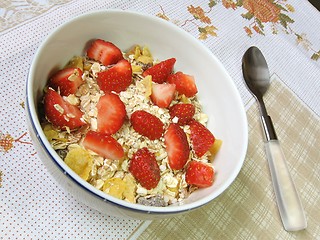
33 206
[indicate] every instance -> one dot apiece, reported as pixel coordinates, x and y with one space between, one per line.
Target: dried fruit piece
146 51
136 69
132 50
147 82
184 99
140 55
115 187
80 161
214 149
145 59
51 133
130 189
75 62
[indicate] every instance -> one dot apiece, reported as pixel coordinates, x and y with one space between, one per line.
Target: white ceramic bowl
217 92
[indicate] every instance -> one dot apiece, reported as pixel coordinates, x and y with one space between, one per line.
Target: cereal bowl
216 92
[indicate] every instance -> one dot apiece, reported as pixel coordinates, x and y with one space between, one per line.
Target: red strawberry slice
116 78
60 112
185 84
183 111
199 174
147 124
177 146
201 138
111 113
105 52
160 71
145 169
104 145
163 94
66 81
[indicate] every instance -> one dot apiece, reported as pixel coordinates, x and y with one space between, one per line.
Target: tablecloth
33 206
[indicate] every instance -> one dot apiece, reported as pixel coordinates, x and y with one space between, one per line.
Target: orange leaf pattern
259 13
7 142
198 13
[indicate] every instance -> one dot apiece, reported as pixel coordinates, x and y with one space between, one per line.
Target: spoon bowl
256 71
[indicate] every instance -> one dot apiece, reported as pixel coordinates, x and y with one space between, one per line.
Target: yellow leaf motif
248 31
163 16
303 40
6 142
229 4
208 30
257 29
290 8
198 13
22 105
259 12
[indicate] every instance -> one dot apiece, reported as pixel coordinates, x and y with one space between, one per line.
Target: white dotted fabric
32 205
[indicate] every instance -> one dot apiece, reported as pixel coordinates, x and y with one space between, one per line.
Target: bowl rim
36 127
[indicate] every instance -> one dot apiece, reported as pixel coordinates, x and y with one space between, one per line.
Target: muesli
129 125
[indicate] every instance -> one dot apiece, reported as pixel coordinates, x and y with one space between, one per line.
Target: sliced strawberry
185 84
177 146
111 113
61 113
147 124
116 78
66 80
163 94
201 138
199 174
160 71
105 52
145 169
104 145
183 111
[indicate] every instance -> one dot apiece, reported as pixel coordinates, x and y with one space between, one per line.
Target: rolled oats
112 176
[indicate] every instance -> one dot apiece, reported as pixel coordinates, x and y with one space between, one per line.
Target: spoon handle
290 208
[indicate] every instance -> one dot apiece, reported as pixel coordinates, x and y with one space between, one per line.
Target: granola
112 176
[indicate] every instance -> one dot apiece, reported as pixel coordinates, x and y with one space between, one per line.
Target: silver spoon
256 75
